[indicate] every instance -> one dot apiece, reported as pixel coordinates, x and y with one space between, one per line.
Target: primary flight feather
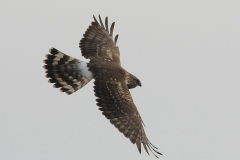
112 82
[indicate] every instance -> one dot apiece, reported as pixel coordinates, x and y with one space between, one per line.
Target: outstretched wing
116 104
97 42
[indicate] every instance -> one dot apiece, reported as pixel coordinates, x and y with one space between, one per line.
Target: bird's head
137 82
133 82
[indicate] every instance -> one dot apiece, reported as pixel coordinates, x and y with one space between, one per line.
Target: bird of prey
112 82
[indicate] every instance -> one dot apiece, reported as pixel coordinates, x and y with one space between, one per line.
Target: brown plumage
112 82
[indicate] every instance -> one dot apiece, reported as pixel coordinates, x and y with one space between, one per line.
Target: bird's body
112 82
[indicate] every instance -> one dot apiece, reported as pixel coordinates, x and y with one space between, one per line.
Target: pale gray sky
186 54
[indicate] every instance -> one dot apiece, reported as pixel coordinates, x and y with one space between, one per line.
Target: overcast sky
186 54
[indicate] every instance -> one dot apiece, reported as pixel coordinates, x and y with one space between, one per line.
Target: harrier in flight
112 82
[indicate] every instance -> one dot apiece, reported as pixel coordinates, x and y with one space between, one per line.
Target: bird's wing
98 43
116 104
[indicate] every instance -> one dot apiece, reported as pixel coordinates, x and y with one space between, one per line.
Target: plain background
186 54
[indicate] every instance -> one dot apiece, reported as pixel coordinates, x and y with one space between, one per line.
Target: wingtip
139 147
94 18
100 19
106 24
111 29
115 39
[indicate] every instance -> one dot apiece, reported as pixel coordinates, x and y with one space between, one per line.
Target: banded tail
68 73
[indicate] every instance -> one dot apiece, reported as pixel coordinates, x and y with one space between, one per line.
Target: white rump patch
84 70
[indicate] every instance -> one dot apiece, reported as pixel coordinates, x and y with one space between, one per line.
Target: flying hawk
112 82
